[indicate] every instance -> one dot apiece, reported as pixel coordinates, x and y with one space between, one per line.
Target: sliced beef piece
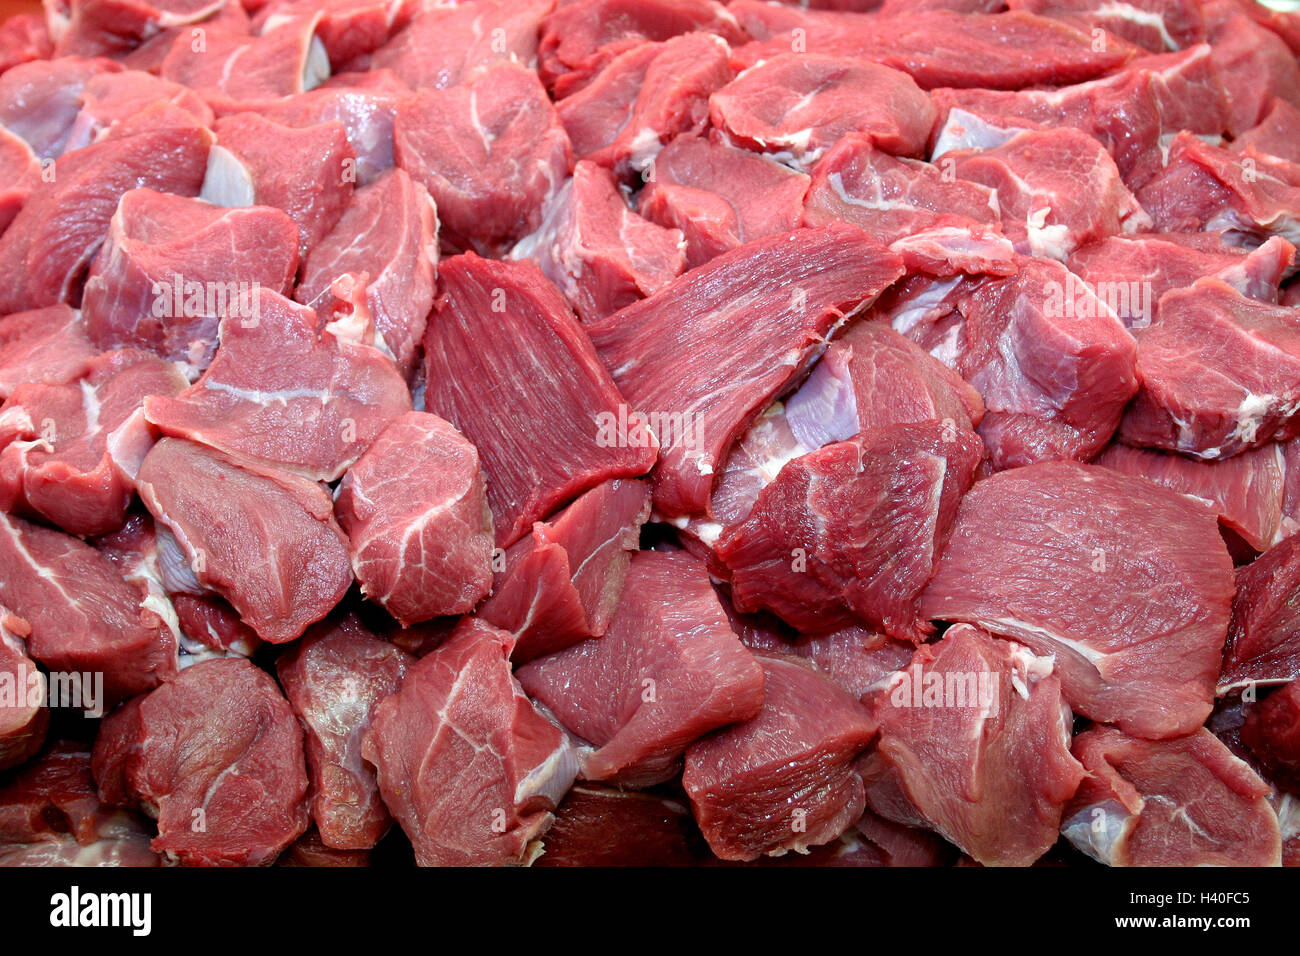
491 152
1272 732
643 98
1255 66
309 173
84 616
1243 393
797 105
40 100
45 346
669 670
598 825
170 267
219 762
704 355
285 393
783 780
537 339
851 531
562 583
264 540
600 253
1126 583
333 678
1264 638
69 453
974 744
24 711
1155 25
1181 802
387 238
417 520
58 231
1277 133
465 763
720 196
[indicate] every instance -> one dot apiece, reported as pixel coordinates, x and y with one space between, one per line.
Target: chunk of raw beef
171 265
975 744
1277 133
69 453
308 173
219 762
562 583
1243 393
783 780
1255 65
50 242
851 531
44 346
333 678
23 38
465 763
598 825
25 714
1264 638
1181 802
84 617
720 196
491 152
348 29
19 172
39 101
285 393
644 98
1128 584
600 253
110 99
494 393
1155 25
859 660
107 27
264 540
388 236
1272 732
797 105
669 670
749 321
417 520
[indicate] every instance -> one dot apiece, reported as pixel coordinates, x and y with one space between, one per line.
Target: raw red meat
110 99
460 718
1126 583
562 583
348 29
498 332
45 346
24 714
783 780
95 27
1255 65
1264 638
19 172
974 743
605 826
264 540
1182 802
753 318
857 659
40 101
669 670
23 38
1272 732
1155 25
417 520
1277 134
333 678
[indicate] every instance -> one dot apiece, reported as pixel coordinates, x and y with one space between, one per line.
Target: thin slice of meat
562 583
720 196
707 353
388 235
1182 802
44 346
171 265
797 105
264 540
600 253
219 763
975 744
59 229
1243 393
491 152
1128 584
499 330
669 670
1264 638
598 825
1272 732
69 453
285 393
783 780
24 698
417 520
84 616
852 531
333 679
465 763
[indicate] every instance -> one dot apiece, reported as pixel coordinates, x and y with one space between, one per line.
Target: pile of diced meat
650 432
